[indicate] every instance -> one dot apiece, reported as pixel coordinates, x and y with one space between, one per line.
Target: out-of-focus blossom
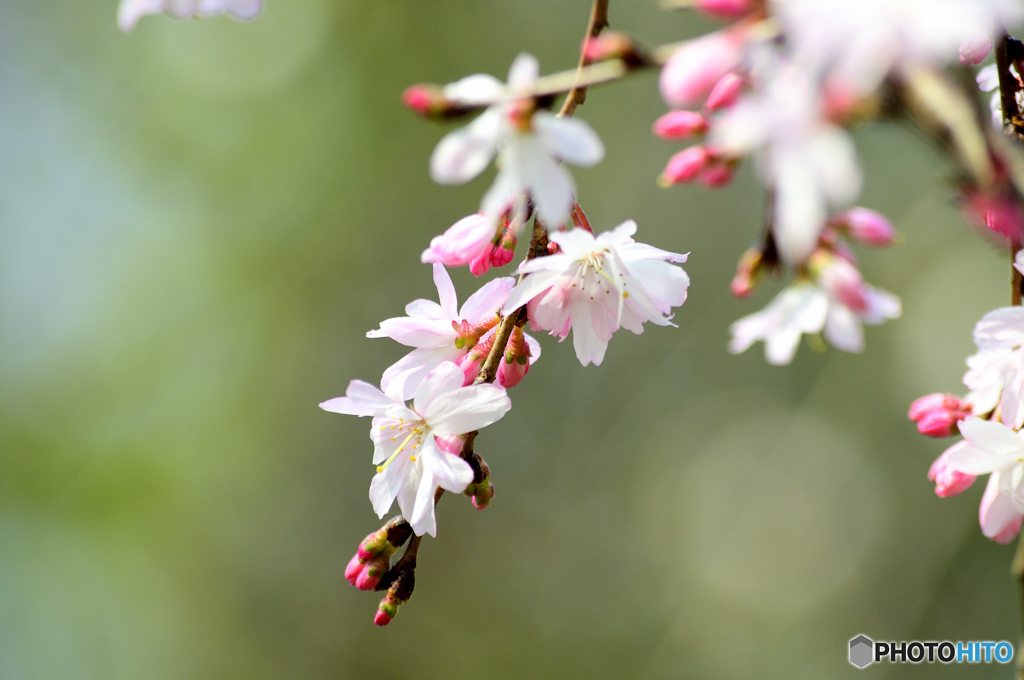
528 143
838 303
810 164
439 332
867 227
596 285
680 125
130 11
695 68
1001 214
726 9
859 43
726 92
410 467
684 166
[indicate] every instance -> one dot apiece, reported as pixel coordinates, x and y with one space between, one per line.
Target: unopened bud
469 334
726 92
726 9
611 45
840 278
949 482
516 362
472 361
693 69
680 125
429 101
684 167
1001 214
937 414
716 174
974 49
398 594
480 490
865 226
749 272
373 558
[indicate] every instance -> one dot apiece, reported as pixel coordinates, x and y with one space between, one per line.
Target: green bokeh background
199 222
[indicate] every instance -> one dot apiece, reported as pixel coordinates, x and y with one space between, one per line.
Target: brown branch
598 22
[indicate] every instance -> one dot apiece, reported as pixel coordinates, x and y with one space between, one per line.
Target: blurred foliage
199 222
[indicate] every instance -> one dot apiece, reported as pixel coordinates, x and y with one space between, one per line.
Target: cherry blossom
595 285
995 449
474 240
442 332
410 467
130 11
809 307
529 144
810 163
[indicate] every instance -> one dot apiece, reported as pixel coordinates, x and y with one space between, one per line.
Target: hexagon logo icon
861 651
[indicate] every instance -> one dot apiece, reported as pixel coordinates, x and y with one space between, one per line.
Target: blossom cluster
990 418
782 83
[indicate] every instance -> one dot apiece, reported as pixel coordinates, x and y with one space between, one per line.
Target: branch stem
598 22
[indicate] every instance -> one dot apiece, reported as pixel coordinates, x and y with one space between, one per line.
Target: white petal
446 292
405 376
570 139
485 303
508 187
590 349
993 446
843 329
549 184
475 90
450 472
576 243
530 287
361 399
466 409
524 72
416 332
441 381
997 509
463 154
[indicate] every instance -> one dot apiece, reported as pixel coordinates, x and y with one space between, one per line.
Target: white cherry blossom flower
993 448
442 332
806 307
596 285
995 374
810 163
528 144
130 11
410 467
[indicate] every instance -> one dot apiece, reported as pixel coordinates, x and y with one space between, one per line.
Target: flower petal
570 139
463 154
465 409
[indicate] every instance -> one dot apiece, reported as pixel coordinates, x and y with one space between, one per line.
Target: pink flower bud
428 101
354 568
516 362
949 482
974 49
684 167
381 618
930 403
865 226
452 444
726 92
840 278
610 45
999 213
472 361
939 424
716 174
680 125
749 271
725 9
694 69
463 242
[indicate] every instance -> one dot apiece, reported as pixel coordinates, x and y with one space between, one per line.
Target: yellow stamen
381 468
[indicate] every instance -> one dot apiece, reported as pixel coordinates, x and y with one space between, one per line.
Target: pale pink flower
867 227
410 467
596 285
529 144
937 414
806 307
130 11
475 241
443 332
725 9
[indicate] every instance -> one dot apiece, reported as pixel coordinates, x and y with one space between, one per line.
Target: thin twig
598 22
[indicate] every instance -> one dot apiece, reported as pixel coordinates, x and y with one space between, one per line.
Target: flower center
417 431
595 261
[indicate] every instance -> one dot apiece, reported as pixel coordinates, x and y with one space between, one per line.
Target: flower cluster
990 418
